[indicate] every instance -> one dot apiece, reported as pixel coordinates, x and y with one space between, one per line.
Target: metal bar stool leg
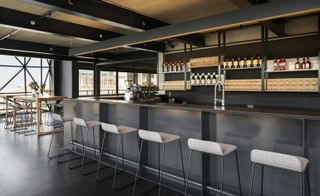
308 182
262 178
182 164
252 177
50 145
301 184
188 173
138 168
100 155
60 145
238 171
84 152
222 174
94 143
116 168
161 169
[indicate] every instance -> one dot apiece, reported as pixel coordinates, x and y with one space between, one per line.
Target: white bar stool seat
210 147
87 125
282 161
161 139
279 160
120 131
214 148
158 137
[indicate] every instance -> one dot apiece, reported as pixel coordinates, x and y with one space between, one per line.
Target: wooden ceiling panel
5 31
176 11
23 7
87 22
51 39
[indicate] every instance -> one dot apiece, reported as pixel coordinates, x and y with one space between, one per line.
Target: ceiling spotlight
51 49
144 23
70 2
32 22
100 36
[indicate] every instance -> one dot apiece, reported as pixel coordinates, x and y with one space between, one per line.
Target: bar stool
161 139
282 161
219 149
58 123
83 125
120 131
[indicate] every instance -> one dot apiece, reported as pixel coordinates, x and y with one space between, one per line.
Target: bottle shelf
174 72
291 71
242 68
201 85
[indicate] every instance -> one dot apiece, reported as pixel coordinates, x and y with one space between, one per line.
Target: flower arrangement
36 89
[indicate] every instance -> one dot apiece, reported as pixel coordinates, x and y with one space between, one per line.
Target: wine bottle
275 64
193 81
308 64
259 61
251 62
208 78
197 78
303 64
213 78
232 63
255 62
225 64
229 64
247 63
203 79
241 63
297 64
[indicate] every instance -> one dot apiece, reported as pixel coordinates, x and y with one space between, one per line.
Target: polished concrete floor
26 171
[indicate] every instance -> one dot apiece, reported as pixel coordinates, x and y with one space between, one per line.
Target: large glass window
108 80
124 79
86 87
146 79
17 72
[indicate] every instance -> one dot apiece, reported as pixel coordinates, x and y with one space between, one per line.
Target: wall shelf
292 71
174 72
243 68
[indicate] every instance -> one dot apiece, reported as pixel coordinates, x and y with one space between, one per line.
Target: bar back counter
286 131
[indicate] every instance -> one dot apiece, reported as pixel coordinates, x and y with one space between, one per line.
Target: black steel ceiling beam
23 20
236 18
32 47
274 26
109 14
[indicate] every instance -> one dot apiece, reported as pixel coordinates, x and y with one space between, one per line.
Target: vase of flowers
34 87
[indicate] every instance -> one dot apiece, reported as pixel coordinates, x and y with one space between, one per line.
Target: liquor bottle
237 65
164 67
225 64
229 64
208 78
275 65
255 62
203 79
248 62
182 66
232 63
259 62
303 64
197 78
284 64
308 64
241 63
213 78
193 81
251 61
297 64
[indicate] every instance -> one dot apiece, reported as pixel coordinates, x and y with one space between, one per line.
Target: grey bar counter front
286 131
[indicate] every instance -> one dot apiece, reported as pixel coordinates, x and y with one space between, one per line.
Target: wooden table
37 101
8 98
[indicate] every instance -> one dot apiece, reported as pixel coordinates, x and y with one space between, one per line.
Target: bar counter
288 131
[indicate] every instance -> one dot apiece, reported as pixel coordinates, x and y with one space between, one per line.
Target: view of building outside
124 78
108 80
15 77
86 87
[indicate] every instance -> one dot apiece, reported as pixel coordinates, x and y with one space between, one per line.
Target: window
108 84
17 72
124 79
86 87
145 79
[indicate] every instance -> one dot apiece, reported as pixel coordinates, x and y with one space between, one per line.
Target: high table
7 98
37 101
